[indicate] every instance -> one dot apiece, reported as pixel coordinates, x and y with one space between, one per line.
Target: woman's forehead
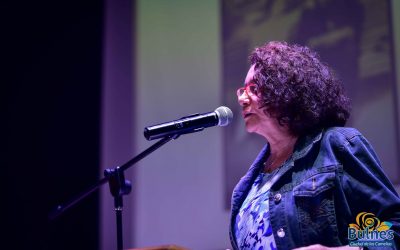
250 75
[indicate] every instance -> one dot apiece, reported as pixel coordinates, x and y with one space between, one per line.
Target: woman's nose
243 99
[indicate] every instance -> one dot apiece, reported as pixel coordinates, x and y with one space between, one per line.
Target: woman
314 179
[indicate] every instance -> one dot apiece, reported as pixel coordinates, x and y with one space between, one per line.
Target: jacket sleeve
365 185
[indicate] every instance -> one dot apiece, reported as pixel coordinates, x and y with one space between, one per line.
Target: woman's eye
254 89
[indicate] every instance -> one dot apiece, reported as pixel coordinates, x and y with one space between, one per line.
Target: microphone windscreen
225 115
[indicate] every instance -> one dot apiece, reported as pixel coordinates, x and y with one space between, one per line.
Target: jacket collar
305 143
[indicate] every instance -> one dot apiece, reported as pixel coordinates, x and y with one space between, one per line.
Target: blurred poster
354 37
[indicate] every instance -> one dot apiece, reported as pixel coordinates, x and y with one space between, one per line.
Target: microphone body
222 116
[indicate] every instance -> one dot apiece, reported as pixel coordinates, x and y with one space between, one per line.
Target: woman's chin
250 129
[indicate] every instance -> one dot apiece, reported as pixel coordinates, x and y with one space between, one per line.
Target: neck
281 142
280 150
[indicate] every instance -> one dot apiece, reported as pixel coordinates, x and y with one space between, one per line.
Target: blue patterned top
252 228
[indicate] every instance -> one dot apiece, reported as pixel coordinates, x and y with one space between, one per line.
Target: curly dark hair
297 88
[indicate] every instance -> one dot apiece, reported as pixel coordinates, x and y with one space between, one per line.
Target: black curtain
51 86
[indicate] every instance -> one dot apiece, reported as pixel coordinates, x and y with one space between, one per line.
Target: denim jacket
330 178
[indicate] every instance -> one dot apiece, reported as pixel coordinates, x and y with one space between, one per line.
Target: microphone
222 116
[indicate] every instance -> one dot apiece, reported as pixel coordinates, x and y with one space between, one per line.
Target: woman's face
255 119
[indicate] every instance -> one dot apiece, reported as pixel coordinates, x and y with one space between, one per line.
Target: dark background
51 91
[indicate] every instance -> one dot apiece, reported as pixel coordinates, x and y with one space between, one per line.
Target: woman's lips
247 115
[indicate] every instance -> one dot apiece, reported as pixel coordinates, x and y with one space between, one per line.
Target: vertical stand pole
118 212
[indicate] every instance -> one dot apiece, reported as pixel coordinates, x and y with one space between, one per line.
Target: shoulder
349 141
342 136
343 132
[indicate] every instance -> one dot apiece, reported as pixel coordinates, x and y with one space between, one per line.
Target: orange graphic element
370 222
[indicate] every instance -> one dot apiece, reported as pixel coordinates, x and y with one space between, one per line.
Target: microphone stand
118 187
